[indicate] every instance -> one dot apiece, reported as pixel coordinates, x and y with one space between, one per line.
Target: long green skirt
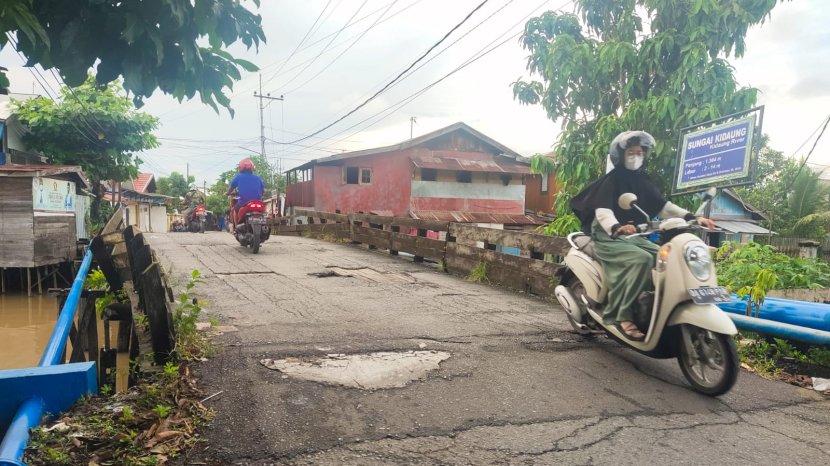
627 264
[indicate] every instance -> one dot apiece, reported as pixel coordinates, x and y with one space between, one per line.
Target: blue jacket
248 186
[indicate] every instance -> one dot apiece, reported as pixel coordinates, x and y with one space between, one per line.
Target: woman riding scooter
627 263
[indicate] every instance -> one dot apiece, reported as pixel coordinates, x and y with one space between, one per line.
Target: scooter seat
585 244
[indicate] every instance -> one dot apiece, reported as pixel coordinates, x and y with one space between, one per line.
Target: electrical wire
302 41
384 88
475 57
325 47
440 52
354 42
290 69
804 162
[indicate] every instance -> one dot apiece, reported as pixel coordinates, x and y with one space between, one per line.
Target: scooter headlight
698 259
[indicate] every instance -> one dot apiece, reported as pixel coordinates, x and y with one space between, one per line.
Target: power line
475 57
326 46
804 162
365 31
292 68
389 84
44 84
302 41
440 52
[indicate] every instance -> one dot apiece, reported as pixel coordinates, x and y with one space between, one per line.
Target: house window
429 174
505 179
464 177
544 182
352 175
365 176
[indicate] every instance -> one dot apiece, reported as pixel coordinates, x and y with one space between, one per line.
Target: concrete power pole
412 121
262 106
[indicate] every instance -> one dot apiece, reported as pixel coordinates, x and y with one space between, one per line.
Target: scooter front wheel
709 360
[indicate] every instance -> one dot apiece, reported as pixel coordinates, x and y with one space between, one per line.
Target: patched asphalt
518 388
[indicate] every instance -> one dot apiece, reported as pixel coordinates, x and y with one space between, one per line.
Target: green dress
627 264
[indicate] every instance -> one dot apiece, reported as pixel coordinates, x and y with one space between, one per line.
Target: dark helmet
628 139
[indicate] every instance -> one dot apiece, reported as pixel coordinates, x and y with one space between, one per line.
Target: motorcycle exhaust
568 302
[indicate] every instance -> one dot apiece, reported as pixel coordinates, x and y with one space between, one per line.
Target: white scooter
685 322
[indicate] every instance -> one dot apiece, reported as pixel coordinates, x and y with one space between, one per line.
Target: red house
454 174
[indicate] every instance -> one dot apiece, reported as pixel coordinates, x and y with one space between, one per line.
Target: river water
25 326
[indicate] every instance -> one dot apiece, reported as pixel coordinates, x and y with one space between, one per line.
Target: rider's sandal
632 333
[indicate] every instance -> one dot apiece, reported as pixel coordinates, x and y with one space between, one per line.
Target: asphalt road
518 388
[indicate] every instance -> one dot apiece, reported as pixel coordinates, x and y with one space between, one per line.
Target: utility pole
412 121
262 106
187 174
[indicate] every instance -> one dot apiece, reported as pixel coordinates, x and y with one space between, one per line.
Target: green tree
95 127
174 185
172 45
655 65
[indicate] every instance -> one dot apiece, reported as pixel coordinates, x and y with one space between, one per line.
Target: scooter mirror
627 200
709 194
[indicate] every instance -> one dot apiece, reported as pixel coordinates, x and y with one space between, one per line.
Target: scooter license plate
710 295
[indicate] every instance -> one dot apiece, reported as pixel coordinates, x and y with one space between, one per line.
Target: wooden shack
38 205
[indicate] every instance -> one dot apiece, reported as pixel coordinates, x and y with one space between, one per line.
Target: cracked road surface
519 388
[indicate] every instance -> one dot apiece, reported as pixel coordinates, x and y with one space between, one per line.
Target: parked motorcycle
252 226
197 220
685 322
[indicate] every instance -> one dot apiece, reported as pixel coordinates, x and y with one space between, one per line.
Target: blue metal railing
30 411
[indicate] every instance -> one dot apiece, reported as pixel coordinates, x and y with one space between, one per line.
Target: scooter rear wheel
708 360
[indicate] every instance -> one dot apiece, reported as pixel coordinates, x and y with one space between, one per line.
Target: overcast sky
786 59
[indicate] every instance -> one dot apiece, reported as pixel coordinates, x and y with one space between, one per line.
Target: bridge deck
517 387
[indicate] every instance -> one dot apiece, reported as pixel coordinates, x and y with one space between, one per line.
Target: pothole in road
370 371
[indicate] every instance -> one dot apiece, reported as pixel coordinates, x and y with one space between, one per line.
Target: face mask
633 162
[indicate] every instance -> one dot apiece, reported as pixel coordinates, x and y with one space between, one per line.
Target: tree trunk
95 205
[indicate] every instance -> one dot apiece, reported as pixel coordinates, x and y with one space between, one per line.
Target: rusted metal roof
476 217
480 165
73 171
506 151
142 182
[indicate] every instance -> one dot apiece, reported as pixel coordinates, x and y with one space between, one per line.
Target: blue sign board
716 155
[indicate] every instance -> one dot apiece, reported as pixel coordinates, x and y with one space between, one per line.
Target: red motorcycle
198 219
251 225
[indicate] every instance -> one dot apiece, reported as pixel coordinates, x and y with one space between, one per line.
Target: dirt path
517 386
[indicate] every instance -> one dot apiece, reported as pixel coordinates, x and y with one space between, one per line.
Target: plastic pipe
788 311
17 436
30 411
780 329
60 332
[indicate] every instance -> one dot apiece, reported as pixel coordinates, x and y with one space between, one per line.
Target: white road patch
365 371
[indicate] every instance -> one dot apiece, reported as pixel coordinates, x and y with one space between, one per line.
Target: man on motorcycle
248 186
627 262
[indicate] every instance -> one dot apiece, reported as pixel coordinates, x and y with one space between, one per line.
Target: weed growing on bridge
777 358
190 343
479 273
149 424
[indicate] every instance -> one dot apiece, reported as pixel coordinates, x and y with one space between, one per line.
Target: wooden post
39 286
394 229
91 332
55 276
3 280
29 282
422 232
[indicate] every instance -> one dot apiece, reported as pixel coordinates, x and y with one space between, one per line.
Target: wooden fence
789 246
461 248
